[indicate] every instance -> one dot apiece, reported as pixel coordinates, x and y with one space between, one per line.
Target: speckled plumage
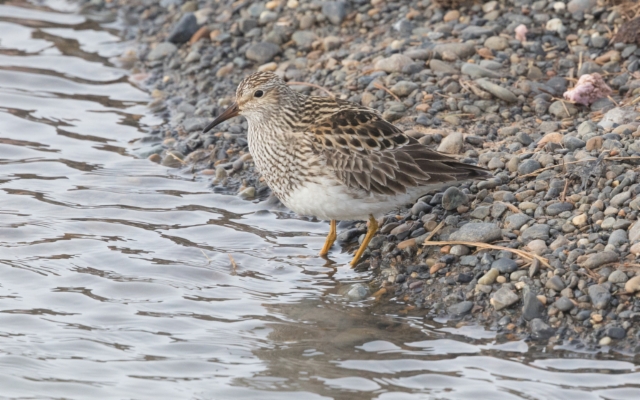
335 159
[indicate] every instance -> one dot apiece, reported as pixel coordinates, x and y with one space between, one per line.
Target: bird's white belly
326 200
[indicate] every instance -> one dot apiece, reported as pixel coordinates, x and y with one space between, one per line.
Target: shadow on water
116 279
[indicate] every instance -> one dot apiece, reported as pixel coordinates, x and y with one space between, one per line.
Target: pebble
357 292
564 304
496 43
532 307
461 308
475 71
452 144
503 298
489 277
505 265
335 11
600 296
161 51
632 285
555 283
262 52
497 90
404 88
395 63
453 198
536 231
528 166
477 232
540 330
597 259
186 27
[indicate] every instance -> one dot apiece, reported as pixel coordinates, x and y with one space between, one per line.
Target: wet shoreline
565 181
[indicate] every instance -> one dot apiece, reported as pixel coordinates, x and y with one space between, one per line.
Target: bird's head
258 94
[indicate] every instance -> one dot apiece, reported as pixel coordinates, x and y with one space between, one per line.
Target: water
115 278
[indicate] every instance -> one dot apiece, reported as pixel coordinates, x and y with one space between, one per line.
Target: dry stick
564 192
233 264
378 85
433 232
327 91
521 253
613 158
205 255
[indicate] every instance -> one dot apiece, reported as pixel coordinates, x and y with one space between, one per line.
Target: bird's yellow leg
373 227
331 237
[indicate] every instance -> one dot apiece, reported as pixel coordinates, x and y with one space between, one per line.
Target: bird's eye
258 93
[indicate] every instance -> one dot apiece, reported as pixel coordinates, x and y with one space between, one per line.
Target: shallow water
115 278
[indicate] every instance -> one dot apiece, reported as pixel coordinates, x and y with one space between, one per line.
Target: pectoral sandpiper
334 159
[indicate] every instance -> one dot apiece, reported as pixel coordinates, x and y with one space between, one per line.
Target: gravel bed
563 205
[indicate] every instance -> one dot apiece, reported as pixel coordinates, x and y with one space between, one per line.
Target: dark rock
262 52
335 11
564 304
532 307
184 29
615 332
453 198
557 208
540 330
555 283
505 265
461 308
600 296
477 232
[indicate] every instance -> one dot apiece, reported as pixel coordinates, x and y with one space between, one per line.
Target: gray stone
357 292
453 198
564 304
573 143
497 90
540 330
597 259
461 308
335 11
615 332
619 199
461 50
161 51
262 52
503 298
555 283
532 307
516 221
505 265
634 232
441 66
560 111
589 67
496 43
395 63
600 296
403 88
536 231
618 237
528 166
475 71
558 208
184 29
477 232
585 6
618 276
481 212
304 39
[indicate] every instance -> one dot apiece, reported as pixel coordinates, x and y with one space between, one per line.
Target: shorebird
334 159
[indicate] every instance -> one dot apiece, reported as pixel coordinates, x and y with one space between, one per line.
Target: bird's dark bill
230 112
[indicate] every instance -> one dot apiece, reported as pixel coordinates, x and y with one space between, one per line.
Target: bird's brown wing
366 152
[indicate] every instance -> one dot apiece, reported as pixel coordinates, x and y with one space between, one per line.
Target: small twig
380 86
434 231
521 253
564 192
176 157
613 101
205 255
234 266
313 85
